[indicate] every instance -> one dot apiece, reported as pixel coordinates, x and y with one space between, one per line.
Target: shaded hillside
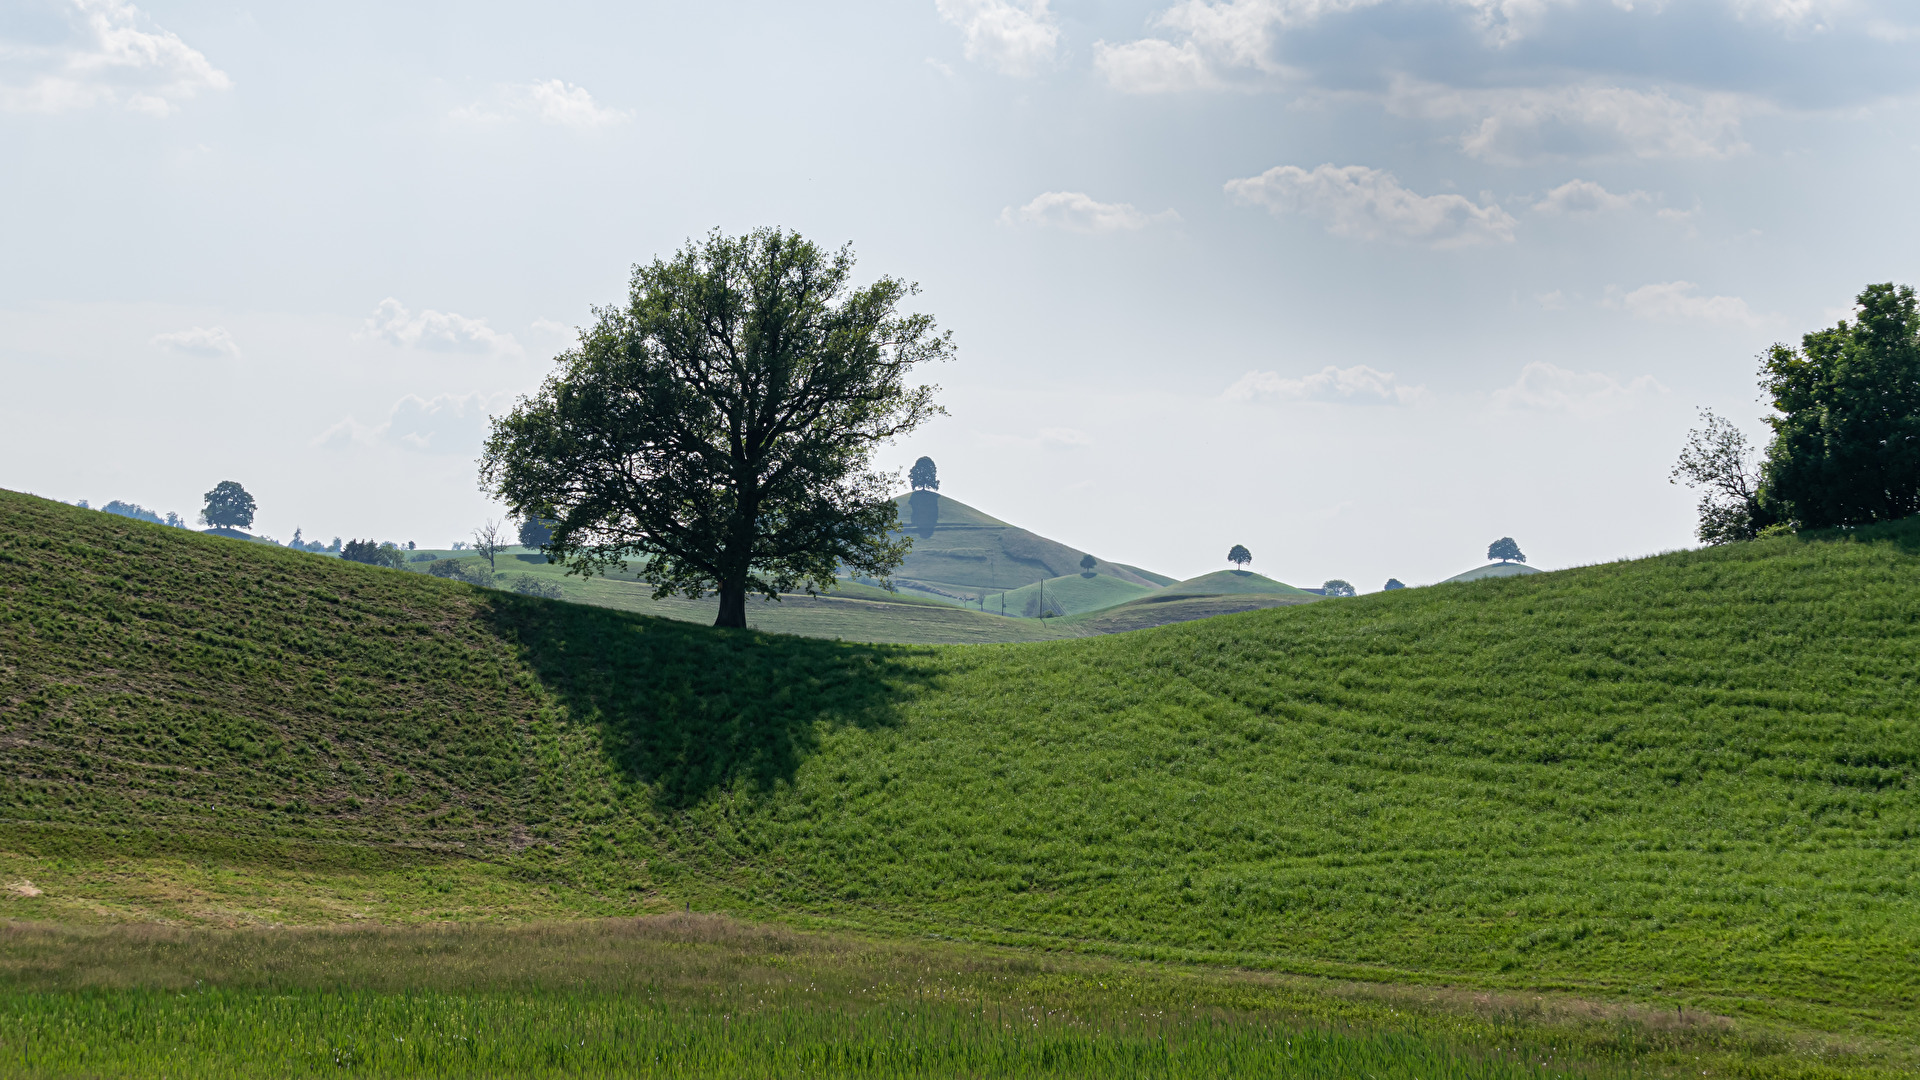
1161 609
1691 775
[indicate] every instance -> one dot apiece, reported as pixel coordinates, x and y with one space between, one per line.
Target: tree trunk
733 606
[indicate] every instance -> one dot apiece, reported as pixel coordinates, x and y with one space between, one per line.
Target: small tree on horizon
1087 563
1718 460
1394 583
1240 556
228 506
1336 587
488 540
535 531
1505 550
924 476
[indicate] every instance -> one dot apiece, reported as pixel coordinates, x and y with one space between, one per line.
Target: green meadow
1680 785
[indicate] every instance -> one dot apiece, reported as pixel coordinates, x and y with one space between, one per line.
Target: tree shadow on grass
686 709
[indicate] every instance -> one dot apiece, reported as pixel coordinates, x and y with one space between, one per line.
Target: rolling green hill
960 551
1689 778
1493 570
1070 595
1228 582
1159 609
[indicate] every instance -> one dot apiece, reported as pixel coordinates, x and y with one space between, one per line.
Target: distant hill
1069 595
1165 607
1227 582
1491 570
961 552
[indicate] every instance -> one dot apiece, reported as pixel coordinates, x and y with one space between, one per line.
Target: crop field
1682 784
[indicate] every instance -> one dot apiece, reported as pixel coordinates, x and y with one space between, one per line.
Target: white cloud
1360 384
1585 198
442 424
553 101
1675 301
205 342
439 331
1543 386
1015 37
1552 301
1076 211
1369 204
1517 126
109 53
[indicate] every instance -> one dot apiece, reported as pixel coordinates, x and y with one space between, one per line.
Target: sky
1363 285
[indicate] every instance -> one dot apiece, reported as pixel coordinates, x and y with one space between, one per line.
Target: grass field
694 995
1230 582
1074 594
1684 781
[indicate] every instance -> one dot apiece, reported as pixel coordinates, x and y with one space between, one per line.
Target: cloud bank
1076 211
437 331
96 53
1359 384
1369 204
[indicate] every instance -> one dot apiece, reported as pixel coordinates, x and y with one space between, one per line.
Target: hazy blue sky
1361 285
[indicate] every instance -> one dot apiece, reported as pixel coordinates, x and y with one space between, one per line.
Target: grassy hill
1493 570
1228 582
1159 609
1685 779
960 550
1069 595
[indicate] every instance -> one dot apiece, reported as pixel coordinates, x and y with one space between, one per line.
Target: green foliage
1846 445
924 476
1505 550
369 553
1690 775
228 506
721 424
529 585
468 570
1087 563
1718 462
535 531
1239 556
1336 587
1394 583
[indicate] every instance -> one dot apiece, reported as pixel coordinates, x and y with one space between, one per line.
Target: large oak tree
719 426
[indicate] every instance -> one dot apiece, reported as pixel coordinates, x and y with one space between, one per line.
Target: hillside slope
1688 776
1493 570
1230 582
958 549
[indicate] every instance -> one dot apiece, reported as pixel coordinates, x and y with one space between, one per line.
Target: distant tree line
1846 431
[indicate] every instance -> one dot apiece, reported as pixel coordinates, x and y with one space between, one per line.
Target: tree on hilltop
228 506
1505 550
720 425
1336 587
489 540
1240 556
1394 583
1718 460
1846 442
1087 563
923 476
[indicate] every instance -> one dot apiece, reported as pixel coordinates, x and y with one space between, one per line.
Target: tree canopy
923 476
1846 442
1087 563
1239 556
1394 583
228 506
1336 587
720 424
535 531
1505 550
1718 462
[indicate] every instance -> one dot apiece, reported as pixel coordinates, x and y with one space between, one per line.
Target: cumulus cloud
553 101
1585 198
1076 211
442 424
1544 386
439 331
1358 384
204 342
100 52
1677 301
1015 37
1369 204
1525 125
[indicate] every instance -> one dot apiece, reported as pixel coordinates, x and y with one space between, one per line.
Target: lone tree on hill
721 424
1505 550
1087 563
1240 556
1394 583
1718 460
923 476
228 506
1846 442
535 532
1336 587
489 540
